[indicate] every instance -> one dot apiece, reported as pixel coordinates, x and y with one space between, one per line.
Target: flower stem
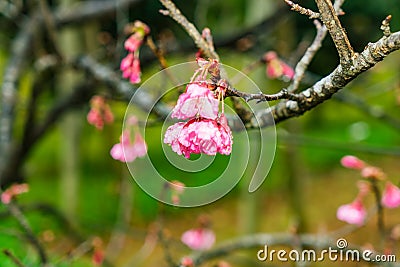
380 222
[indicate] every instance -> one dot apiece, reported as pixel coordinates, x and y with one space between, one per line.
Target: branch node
385 27
164 12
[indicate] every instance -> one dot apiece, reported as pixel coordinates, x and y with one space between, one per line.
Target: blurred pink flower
140 146
13 191
126 151
391 196
353 213
177 189
100 112
276 68
198 100
186 262
372 172
130 67
352 162
199 136
198 239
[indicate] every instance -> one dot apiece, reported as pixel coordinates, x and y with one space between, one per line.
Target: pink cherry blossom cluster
206 131
100 112
12 191
276 68
127 150
130 65
355 212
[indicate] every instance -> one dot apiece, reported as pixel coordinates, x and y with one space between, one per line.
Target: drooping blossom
198 100
12 191
206 131
353 213
128 151
130 67
276 68
198 239
391 196
352 162
199 135
100 112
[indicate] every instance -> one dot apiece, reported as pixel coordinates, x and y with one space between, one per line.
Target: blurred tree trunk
70 44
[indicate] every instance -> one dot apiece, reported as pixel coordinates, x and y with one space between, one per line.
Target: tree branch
89 10
329 85
17 214
338 34
20 47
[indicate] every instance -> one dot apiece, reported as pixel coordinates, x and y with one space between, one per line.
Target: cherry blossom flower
198 239
199 136
353 213
198 100
130 67
128 151
352 162
12 191
391 196
276 68
100 112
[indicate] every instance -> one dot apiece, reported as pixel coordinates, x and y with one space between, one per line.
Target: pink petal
197 100
391 196
117 152
133 43
353 213
352 162
126 62
198 239
140 146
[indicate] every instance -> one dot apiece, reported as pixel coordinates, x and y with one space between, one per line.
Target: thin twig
380 222
305 61
176 14
13 258
304 11
261 97
50 25
23 222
